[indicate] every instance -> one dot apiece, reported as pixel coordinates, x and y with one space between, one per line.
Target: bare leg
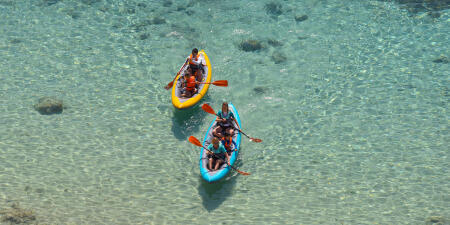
218 162
210 164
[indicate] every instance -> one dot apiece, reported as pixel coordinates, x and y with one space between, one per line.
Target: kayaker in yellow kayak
189 85
196 63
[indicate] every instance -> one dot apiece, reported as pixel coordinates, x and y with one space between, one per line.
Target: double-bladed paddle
170 85
223 83
195 141
207 108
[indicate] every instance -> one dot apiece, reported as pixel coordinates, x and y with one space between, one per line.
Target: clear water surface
351 103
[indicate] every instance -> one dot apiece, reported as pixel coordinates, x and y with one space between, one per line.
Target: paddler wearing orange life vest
228 143
189 84
196 63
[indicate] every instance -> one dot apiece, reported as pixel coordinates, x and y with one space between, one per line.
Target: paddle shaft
171 83
243 132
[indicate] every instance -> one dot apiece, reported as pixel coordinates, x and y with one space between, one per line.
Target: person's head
215 142
189 70
224 107
229 132
194 52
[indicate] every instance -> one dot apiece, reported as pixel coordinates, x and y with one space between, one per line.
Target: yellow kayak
181 102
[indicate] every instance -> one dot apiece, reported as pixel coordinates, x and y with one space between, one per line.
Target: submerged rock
50 2
142 5
89 2
301 18
260 90
16 215
167 3
436 220
15 41
181 8
250 45
158 20
141 25
143 36
442 59
274 43
7 3
434 14
278 57
49 105
416 6
74 14
273 8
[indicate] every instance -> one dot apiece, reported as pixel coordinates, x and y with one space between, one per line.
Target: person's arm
218 119
232 118
209 149
182 81
201 62
234 143
228 157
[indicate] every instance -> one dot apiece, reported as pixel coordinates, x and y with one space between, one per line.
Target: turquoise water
353 117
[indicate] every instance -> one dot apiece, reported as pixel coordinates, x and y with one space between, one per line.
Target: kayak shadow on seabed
214 194
187 121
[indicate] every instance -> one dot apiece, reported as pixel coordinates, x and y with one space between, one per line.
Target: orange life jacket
190 83
192 59
227 143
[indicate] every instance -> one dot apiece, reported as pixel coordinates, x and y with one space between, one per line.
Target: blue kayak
212 176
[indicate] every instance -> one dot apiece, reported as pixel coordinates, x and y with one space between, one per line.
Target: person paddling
196 63
216 154
189 86
224 120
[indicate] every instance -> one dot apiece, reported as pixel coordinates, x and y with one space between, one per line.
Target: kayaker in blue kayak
224 120
216 154
228 143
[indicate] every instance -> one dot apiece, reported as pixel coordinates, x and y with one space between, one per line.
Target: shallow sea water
354 121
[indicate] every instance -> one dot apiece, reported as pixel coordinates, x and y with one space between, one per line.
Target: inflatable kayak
216 175
182 103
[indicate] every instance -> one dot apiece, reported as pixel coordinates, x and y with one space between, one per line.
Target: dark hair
195 50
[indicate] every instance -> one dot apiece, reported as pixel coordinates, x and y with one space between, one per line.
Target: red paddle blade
243 173
207 108
169 86
195 141
223 83
257 140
